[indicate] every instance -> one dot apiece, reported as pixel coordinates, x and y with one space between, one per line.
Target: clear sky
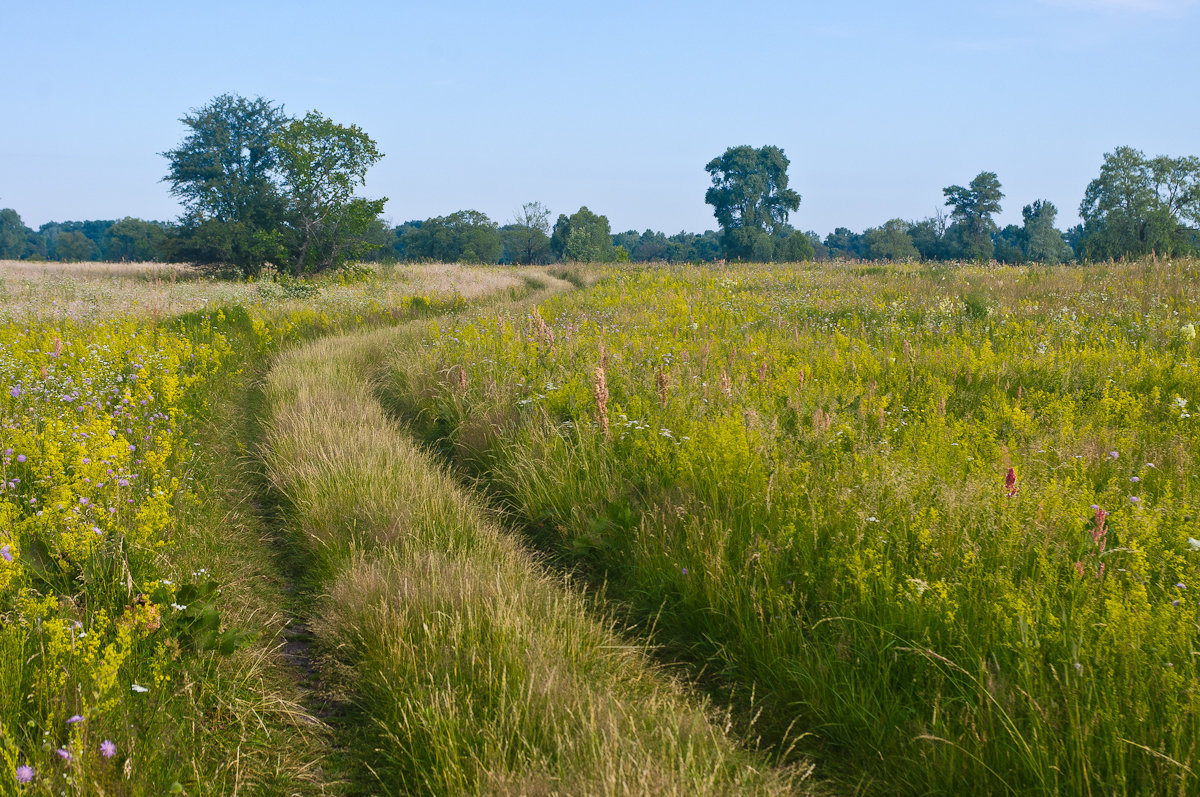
613 105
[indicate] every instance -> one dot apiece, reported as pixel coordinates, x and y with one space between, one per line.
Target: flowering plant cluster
93 451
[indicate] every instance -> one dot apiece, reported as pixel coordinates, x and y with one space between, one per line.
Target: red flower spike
1010 482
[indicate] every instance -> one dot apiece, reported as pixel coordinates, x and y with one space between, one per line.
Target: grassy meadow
142 598
832 528
939 522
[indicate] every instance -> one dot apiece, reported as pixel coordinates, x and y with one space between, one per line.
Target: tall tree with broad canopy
259 187
321 163
890 241
14 235
1041 239
583 237
971 212
527 237
224 174
750 199
1140 205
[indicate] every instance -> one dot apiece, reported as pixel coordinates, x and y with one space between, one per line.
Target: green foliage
970 233
75 246
527 238
1140 205
846 244
321 163
224 174
801 488
890 241
750 198
465 236
133 239
258 187
583 237
793 247
195 618
1043 242
13 235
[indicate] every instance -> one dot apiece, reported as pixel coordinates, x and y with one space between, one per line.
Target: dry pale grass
81 292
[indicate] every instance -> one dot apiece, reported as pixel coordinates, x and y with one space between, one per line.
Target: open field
941 521
819 528
129 499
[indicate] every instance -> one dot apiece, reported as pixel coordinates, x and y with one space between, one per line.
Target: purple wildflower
108 749
64 753
1112 454
74 718
25 773
685 571
1134 479
1133 499
6 553
1180 585
15 392
20 457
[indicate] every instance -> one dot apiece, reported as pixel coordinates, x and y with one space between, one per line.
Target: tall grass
800 478
471 671
128 483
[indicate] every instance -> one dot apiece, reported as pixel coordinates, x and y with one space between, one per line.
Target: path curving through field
466 667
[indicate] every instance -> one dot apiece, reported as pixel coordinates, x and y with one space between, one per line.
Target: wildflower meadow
934 526
822 528
122 672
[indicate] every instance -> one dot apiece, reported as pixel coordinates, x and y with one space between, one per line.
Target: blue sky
617 106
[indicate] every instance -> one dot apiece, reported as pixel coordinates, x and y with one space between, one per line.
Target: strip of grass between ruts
472 671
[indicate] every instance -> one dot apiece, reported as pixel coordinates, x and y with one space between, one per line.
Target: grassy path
466 668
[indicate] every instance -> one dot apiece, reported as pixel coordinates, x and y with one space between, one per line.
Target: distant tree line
128 239
261 187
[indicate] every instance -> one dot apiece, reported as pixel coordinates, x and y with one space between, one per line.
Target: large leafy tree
135 240
929 236
1041 240
890 241
223 173
73 246
583 237
14 235
750 198
321 163
260 187
846 244
1140 205
527 237
971 213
